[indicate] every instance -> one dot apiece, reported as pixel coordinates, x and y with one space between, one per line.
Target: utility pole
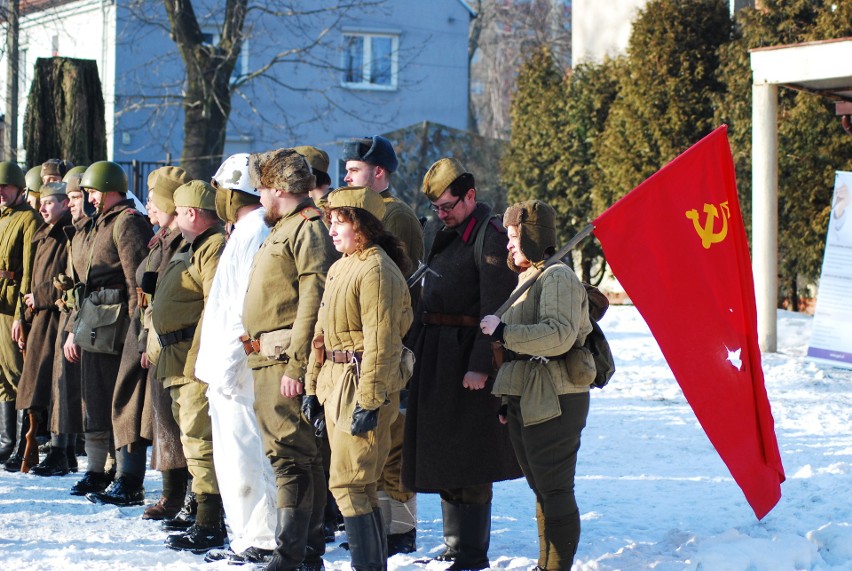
11 131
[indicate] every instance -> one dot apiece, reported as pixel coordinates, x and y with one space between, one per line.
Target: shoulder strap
479 240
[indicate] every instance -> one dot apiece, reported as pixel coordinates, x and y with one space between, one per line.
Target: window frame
366 65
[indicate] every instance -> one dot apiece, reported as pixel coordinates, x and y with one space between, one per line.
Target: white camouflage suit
245 476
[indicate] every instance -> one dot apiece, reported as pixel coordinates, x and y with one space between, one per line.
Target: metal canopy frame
824 68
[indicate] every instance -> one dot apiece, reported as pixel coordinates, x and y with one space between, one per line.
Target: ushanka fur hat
375 150
282 169
536 223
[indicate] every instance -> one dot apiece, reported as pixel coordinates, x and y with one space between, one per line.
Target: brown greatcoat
66 416
453 438
164 432
115 246
50 260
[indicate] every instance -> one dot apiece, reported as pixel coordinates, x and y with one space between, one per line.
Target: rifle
422 270
554 259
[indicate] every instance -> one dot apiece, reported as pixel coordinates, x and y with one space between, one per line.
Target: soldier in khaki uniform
544 380
279 314
18 224
365 313
181 293
370 162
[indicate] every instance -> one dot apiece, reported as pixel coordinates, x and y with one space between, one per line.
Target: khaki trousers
290 443
11 361
192 413
357 461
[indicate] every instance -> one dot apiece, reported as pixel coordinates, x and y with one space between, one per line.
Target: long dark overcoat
163 431
67 414
115 246
453 438
50 259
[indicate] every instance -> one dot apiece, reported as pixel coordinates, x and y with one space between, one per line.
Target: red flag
677 245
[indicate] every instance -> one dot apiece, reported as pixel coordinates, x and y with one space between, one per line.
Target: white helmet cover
234 174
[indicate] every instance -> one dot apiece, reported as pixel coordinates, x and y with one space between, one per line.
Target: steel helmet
234 174
33 179
11 173
74 170
105 176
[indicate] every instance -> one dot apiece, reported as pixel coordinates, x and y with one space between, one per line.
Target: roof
822 67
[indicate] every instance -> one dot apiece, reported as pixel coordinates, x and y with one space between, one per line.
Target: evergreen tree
665 102
555 119
812 144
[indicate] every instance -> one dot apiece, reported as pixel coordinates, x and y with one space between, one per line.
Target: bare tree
501 37
210 82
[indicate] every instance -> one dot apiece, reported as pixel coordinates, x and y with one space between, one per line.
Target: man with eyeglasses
454 443
370 162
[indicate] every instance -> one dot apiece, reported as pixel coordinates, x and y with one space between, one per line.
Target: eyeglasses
446 208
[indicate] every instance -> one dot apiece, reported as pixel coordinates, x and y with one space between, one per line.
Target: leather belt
448 320
176 336
342 356
250 345
7 275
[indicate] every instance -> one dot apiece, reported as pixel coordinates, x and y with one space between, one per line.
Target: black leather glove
364 420
315 413
503 411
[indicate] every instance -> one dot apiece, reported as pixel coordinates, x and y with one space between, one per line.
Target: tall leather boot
22 425
474 537
452 524
315 547
8 429
54 464
561 538
292 528
365 542
378 515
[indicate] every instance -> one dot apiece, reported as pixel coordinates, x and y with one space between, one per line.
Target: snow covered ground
653 493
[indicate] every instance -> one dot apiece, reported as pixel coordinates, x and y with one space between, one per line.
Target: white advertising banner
831 338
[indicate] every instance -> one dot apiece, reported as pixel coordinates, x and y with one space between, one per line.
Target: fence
137 175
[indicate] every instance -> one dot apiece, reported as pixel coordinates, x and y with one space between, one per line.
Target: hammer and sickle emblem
706 233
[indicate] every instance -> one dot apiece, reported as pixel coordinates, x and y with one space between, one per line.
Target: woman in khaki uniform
355 371
545 377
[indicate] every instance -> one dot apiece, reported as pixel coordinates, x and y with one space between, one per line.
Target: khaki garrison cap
357 197
317 158
196 194
162 183
440 176
54 189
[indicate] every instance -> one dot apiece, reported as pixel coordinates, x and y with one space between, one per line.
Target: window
370 61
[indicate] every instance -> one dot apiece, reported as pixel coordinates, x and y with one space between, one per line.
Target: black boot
292 540
452 522
365 542
186 516
54 464
474 537
22 424
72 459
405 542
8 429
127 490
92 482
208 531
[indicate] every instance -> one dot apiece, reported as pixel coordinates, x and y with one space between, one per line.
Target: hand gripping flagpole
554 259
